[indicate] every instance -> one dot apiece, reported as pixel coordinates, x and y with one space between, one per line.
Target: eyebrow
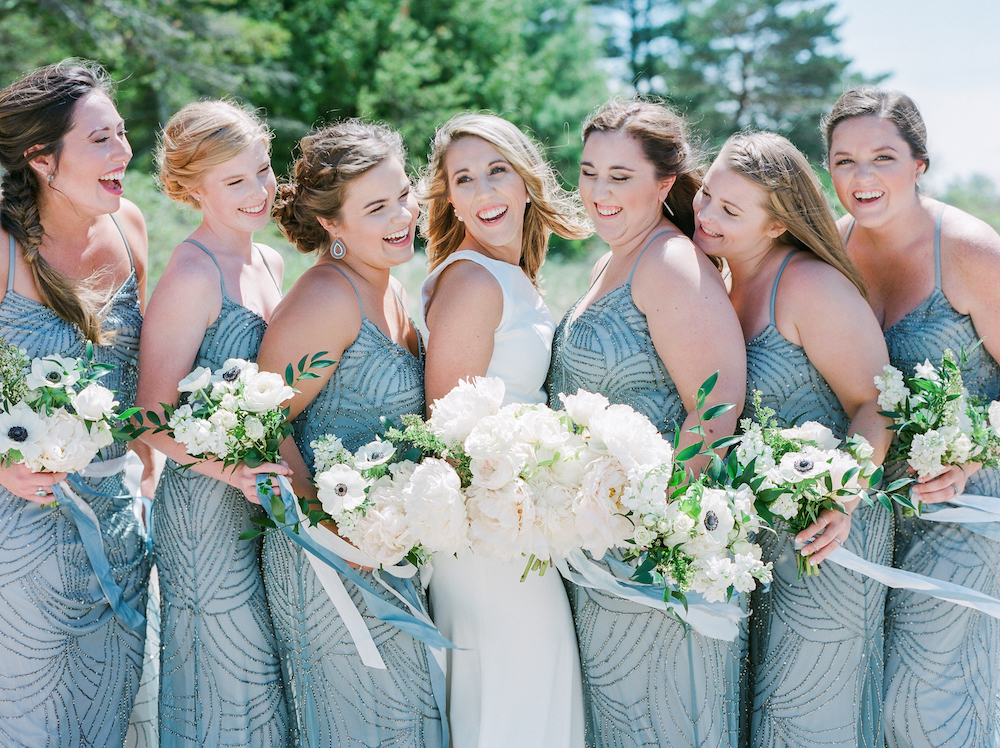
376 202
102 129
494 161
612 168
875 150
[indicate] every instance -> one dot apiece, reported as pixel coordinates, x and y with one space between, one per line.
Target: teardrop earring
338 250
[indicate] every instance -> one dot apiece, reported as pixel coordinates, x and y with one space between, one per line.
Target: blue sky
944 54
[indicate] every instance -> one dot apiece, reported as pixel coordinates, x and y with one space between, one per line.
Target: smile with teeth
398 237
255 209
492 214
113 179
607 210
868 196
710 233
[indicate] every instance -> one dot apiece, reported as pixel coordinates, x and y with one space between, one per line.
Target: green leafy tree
978 195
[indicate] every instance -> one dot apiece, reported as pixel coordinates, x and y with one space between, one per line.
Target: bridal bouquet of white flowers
936 422
363 493
800 472
55 415
235 413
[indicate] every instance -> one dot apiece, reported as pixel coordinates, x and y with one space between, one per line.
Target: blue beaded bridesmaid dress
942 667
816 642
336 701
220 677
69 668
646 682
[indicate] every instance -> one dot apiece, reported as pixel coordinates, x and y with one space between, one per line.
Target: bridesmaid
219 670
76 274
349 203
813 350
933 272
655 324
492 202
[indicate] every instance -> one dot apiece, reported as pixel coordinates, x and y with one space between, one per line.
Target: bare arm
462 317
696 333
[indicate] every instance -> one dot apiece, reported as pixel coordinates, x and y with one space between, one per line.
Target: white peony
455 415
67 445
600 515
435 507
493 472
812 432
500 521
382 533
94 402
555 520
340 489
196 380
53 371
264 391
492 435
583 405
22 429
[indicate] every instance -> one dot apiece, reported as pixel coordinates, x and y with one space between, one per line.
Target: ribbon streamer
89 528
320 546
978 514
714 620
907 580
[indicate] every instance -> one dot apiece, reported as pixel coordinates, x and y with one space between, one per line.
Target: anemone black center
341 489
711 521
803 465
231 375
53 376
17 433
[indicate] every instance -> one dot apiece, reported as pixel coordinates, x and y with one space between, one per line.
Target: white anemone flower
340 489
53 371
372 454
22 429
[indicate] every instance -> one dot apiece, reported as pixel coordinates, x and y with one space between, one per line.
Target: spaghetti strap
847 236
127 247
363 317
937 247
273 279
648 244
10 266
774 288
204 249
601 272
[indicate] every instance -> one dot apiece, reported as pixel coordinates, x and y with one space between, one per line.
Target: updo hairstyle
898 108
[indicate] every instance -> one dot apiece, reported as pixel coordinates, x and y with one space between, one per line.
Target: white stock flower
455 415
812 432
52 371
583 405
752 446
926 453
340 489
253 428
435 508
500 521
67 445
21 429
264 391
196 380
892 388
372 454
94 402
786 506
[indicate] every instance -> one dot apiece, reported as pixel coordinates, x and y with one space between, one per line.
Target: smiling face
730 218
619 187
379 217
487 194
238 193
92 160
873 170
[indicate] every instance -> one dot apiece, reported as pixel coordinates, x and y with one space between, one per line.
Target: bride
491 202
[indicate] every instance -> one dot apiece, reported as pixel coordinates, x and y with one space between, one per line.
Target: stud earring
338 250
528 200
49 178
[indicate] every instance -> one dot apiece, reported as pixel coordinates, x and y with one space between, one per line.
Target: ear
774 229
330 227
921 168
666 184
43 165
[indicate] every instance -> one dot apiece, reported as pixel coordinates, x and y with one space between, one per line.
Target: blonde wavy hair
794 197
202 135
552 210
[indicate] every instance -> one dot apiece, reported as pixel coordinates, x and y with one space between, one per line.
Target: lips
492 214
708 233
112 181
400 237
868 196
607 211
254 210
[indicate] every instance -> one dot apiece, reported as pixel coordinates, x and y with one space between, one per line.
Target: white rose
101 434
253 428
435 507
583 405
224 419
891 387
67 445
455 415
196 380
264 391
643 536
94 402
229 402
340 489
840 464
53 371
860 447
812 432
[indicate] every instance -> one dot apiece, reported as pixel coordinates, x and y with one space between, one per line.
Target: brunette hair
898 108
663 135
552 209
794 197
330 160
202 135
36 112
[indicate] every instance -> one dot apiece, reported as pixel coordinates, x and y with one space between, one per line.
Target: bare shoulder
813 285
676 266
192 268
599 266
320 297
400 290
465 283
843 224
134 225
275 260
972 243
